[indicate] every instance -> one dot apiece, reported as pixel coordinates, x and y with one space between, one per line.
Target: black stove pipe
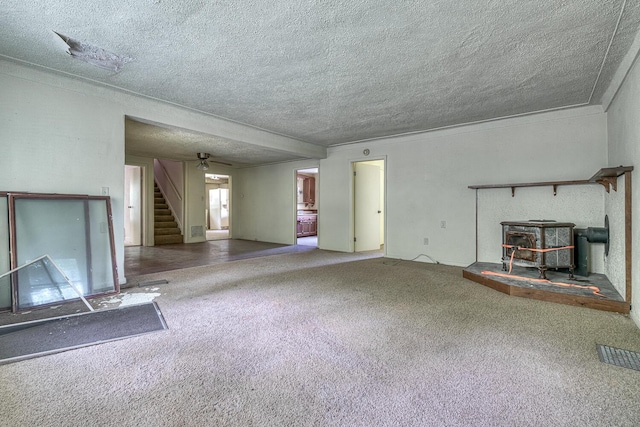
582 237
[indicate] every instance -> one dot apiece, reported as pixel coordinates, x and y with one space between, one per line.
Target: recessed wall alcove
585 203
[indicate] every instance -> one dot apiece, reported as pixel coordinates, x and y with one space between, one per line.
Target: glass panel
102 279
5 264
41 283
55 228
75 233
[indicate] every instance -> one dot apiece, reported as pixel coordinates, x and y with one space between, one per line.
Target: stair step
168 239
165 224
165 231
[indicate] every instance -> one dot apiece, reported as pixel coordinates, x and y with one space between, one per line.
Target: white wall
65 135
615 261
74 133
623 124
195 221
60 141
264 202
428 176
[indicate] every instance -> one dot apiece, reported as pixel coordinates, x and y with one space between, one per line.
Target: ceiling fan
204 164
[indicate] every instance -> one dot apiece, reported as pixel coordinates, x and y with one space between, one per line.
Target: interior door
214 209
224 208
133 199
367 207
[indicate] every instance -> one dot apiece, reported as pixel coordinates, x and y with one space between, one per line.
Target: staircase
166 229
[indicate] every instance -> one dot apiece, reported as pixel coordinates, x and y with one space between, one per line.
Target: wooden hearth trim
542 295
627 234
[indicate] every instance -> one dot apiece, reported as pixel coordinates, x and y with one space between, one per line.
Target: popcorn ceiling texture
331 72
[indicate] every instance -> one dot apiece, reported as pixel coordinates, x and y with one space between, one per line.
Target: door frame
352 226
295 201
147 196
140 173
229 199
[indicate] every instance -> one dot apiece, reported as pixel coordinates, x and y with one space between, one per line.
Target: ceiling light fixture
203 165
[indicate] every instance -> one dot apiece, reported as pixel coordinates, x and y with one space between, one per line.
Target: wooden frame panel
88 257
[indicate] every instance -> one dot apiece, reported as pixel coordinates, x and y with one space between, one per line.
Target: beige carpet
328 339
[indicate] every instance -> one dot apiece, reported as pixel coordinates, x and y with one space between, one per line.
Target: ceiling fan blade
220 163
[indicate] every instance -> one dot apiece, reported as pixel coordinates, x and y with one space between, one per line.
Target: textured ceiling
336 71
162 142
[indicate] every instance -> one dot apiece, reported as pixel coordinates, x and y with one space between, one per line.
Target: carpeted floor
329 339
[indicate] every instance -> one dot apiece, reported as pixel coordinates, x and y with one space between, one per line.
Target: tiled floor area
140 260
308 241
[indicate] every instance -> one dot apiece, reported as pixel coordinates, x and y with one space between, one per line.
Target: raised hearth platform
594 291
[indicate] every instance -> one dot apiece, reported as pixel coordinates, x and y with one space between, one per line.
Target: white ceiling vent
94 55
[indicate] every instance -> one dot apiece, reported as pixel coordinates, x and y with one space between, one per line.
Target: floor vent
618 357
197 231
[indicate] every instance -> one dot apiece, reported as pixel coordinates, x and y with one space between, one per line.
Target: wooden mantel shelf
608 177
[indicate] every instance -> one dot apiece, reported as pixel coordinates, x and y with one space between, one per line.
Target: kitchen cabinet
306 190
307 225
309 191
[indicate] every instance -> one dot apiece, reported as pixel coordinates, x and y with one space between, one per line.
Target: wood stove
542 244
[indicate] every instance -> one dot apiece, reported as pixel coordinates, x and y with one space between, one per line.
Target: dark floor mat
31 339
618 357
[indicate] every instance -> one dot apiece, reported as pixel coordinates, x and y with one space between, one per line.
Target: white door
214 209
367 207
133 200
224 208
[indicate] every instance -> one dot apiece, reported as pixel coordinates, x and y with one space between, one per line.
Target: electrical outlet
426 240
443 224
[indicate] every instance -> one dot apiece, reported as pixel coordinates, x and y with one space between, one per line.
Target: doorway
218 206
307 195
133 202
368 205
